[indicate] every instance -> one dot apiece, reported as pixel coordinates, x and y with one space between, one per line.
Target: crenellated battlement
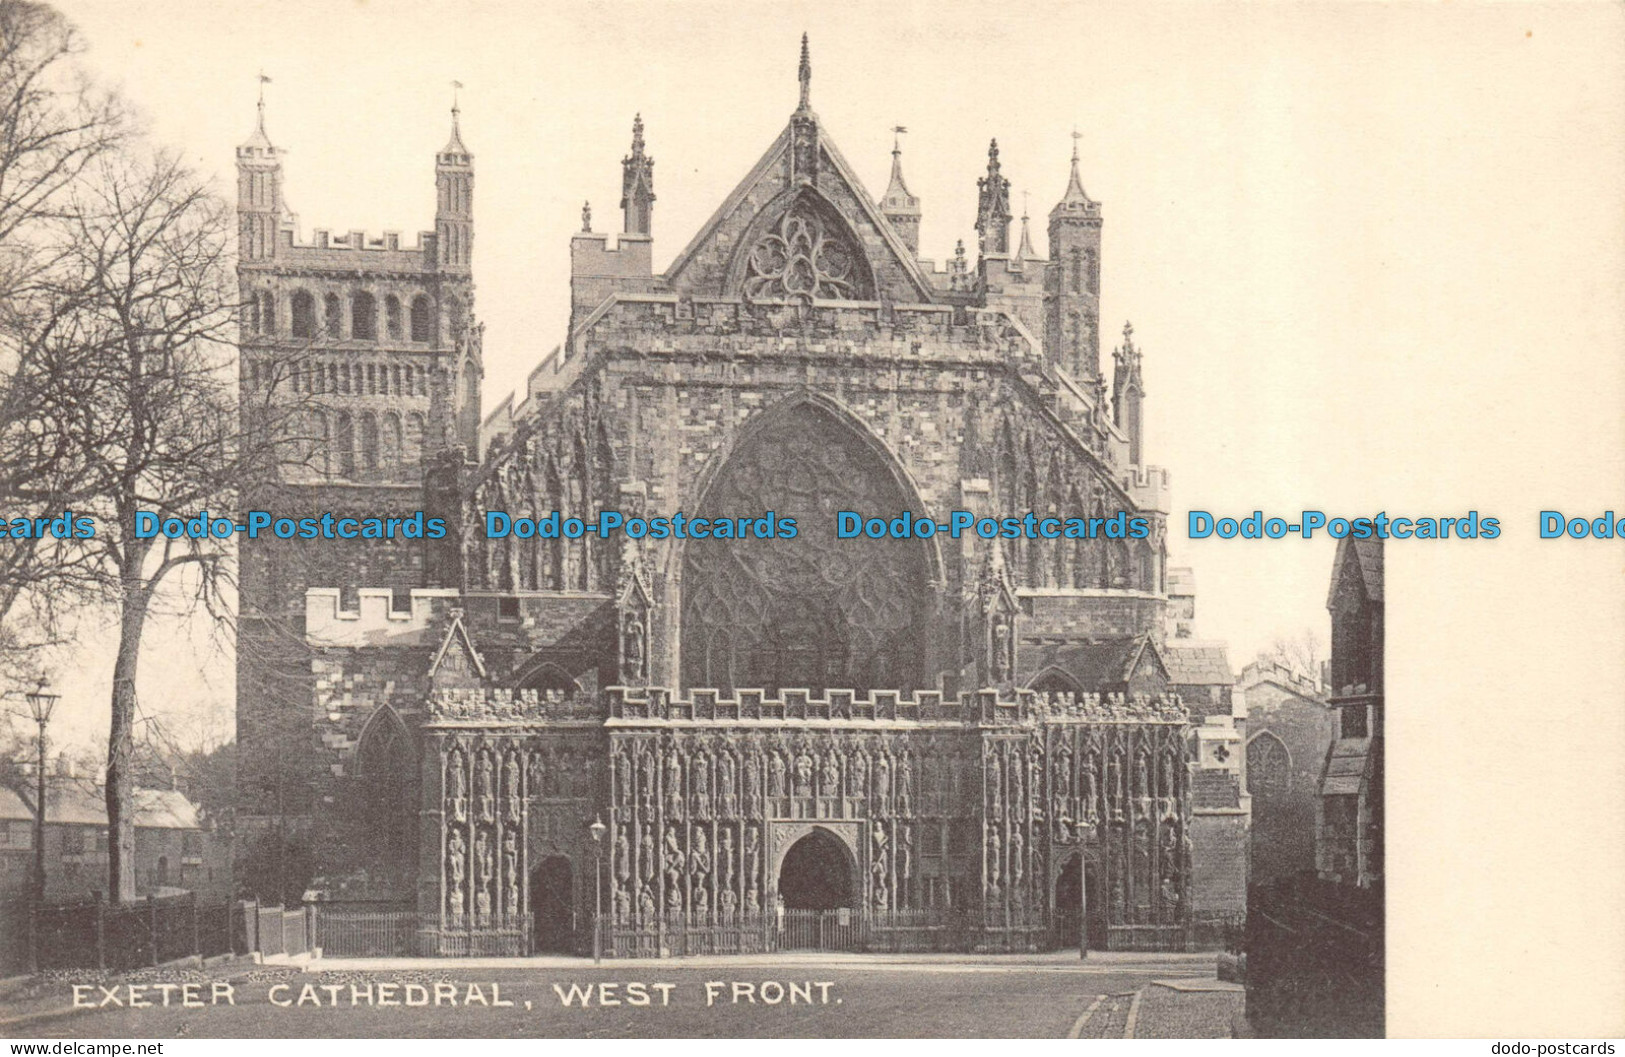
375 621
1150 487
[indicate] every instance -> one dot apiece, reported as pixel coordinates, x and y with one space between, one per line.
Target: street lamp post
41 701
597 830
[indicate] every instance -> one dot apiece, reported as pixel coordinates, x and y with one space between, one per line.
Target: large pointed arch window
813 611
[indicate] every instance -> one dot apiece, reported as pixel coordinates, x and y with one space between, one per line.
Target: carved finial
456 86
259 142
805 73
896 139
637 134
1128 334
586 218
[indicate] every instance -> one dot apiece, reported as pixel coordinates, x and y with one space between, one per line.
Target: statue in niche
727 903
753 902
623 856
857 772
995 855
905 784
905 854
1001 651
1018 857
776 776
623 903
646 901
484 781
995 782
882 780
511 780
804 774
456 863
753 784
725 854
1018 792
832 774
457 786
646 854
877 865
674 783
484 868
538 773
1035 784
699 856
700 780
702 900
646 782
634 650
725 784
1142 771
623 779
674 863
510 870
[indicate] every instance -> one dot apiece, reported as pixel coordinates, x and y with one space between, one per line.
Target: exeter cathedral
712 745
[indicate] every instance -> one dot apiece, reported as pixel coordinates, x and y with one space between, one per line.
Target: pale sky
1358 244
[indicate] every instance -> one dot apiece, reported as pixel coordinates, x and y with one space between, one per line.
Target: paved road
796 999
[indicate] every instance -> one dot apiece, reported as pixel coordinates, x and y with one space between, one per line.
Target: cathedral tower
1072 294
901 208
454 201
259 193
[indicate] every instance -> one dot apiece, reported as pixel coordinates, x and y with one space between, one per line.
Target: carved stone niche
632 624
999 613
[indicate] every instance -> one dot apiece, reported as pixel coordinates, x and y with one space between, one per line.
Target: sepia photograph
910 563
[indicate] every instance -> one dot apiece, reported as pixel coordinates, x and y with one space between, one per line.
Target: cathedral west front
741 744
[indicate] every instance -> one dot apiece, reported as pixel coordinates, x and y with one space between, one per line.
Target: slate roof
1368 557
1346 767
1197 664
1092 664
79 803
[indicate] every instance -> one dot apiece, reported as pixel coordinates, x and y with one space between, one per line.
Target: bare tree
1303 653
54 124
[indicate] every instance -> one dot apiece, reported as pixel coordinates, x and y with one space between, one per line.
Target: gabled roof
767 181
1197 664
78 802
457 634
1094 665
1367 558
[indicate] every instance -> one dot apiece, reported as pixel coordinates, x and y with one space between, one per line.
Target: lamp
598 829
41 702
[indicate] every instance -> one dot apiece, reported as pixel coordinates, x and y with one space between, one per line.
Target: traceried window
808 253
1269 765
812 611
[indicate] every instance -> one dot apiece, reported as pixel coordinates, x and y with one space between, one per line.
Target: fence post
152 926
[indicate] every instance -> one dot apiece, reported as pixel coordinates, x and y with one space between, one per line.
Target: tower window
369 443
267 313
304 314
422 319
334 311
392 317
454 312
346 445
363 316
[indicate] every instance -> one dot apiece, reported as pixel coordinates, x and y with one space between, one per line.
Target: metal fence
346 933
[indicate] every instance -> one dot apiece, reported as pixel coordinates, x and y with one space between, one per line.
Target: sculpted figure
995 782
725 783
857 773
456 863
623 856
646 786
484 782
753 784
882 779
674 784
804 774
775 786
832 774
905 784
700 779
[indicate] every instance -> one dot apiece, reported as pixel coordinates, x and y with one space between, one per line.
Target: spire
804 74
1025 251
637 185
258 144
455 144
1076 200
993 206
1128 392
901 209
897 188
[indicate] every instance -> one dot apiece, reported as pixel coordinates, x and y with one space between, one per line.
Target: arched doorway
816 896
810 611
552 906
816 874
1070 914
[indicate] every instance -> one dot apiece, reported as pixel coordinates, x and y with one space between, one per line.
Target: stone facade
967 743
